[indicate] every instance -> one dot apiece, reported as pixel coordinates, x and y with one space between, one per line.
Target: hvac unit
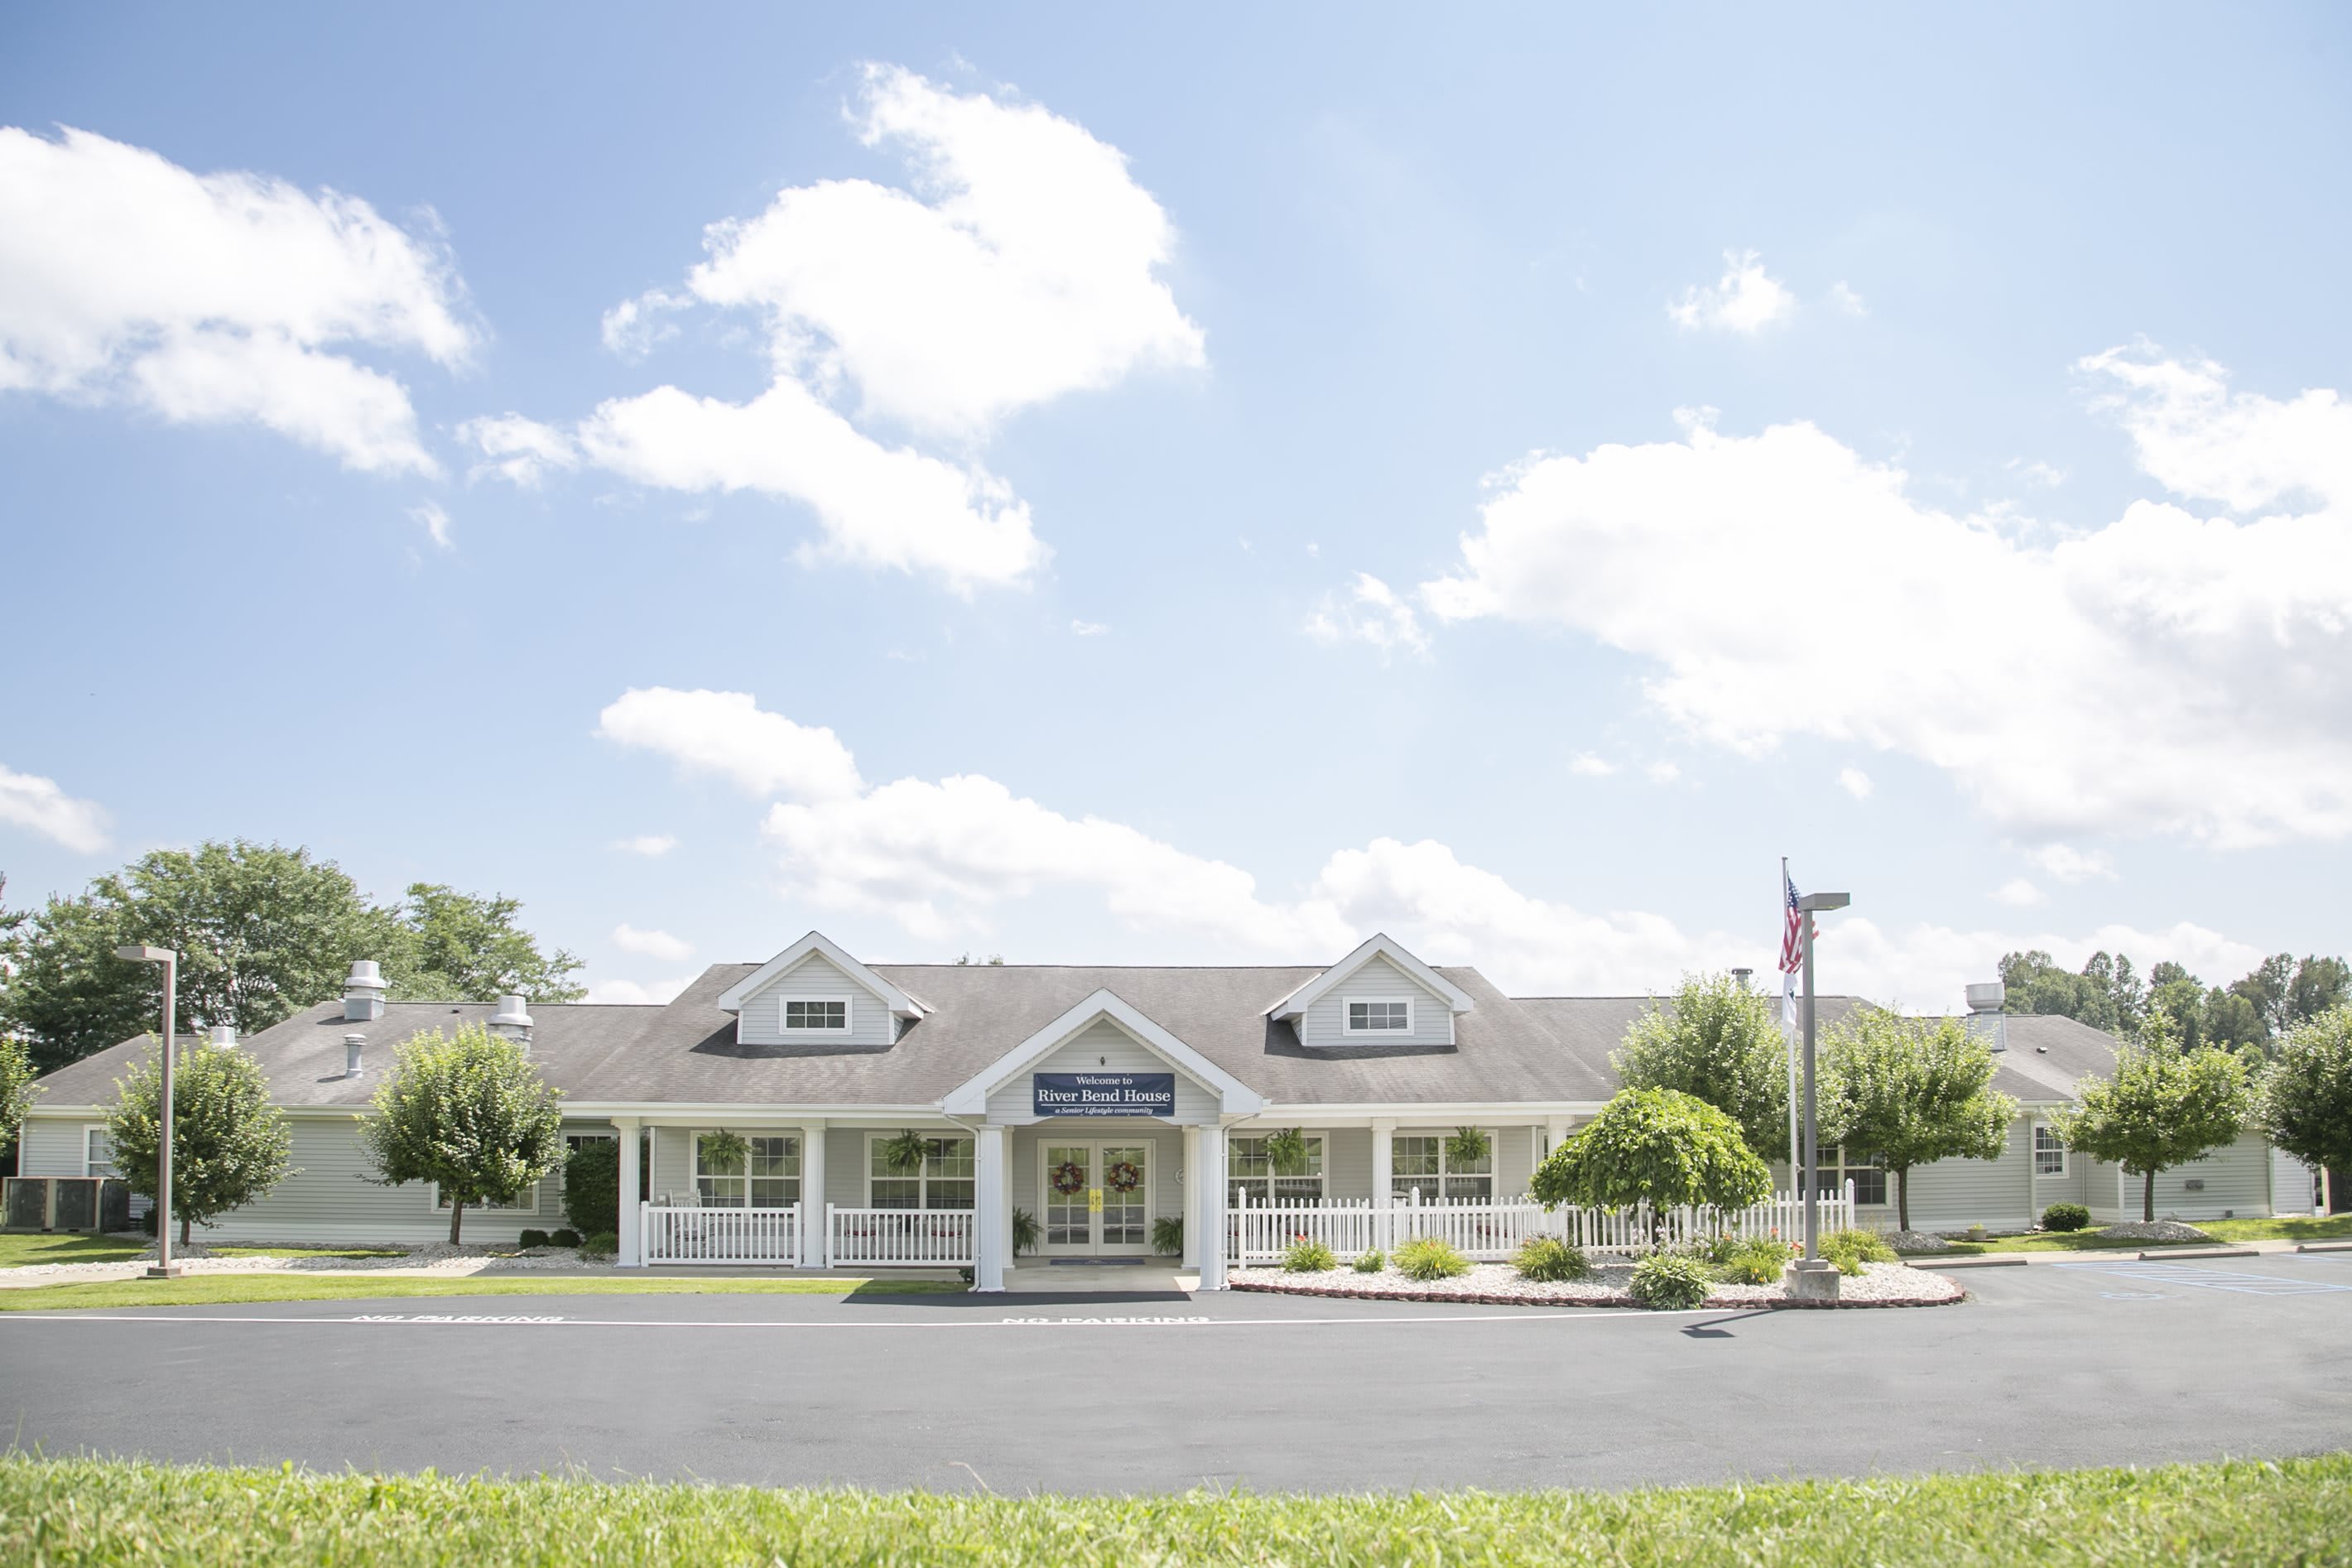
93 1203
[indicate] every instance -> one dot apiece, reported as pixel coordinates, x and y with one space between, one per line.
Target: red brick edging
1472 1298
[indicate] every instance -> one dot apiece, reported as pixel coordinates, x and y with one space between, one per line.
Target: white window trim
1494 1172
90 1135
1348 1016
1837 1169
529 1206
696 1176
1321 1178
848 1015
2034 1153
922 1178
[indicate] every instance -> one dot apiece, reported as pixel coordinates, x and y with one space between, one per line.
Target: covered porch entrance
1094 1196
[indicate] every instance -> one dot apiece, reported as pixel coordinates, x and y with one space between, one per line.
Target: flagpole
1789 1037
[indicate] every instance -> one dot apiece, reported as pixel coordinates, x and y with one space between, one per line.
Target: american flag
1792 957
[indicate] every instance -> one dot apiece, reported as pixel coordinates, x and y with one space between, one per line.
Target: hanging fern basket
722 1149
1467 1146
904 1153
1287 1152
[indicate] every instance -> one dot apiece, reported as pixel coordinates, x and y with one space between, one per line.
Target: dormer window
816 1015
1381 1018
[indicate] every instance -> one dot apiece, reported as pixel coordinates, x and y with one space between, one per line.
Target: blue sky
1224 485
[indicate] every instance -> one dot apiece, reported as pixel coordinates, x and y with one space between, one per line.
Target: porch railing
720 1235
937 1237
1491 1232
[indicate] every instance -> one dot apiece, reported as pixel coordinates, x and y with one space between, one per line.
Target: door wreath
1069 1178
1123 1177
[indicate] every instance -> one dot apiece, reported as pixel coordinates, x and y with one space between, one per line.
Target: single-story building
1099 1102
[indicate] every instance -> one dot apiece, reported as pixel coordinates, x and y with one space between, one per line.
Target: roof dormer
1379 995
814 993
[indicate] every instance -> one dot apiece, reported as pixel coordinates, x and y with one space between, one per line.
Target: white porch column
1383 1181
992 1242
1212 1183
633 1254
813 1239
1191 1258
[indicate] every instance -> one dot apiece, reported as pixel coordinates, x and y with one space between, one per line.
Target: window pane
1414 1157
898 1193
947 1194
1253 1190
1469 1189
1360 1015
775 1157
950 1157
99 1160
816 1015
1245 1157
1297 1189
1405 1187
775 1192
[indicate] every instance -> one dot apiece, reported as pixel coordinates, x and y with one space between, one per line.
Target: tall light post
1821 1273
163 1268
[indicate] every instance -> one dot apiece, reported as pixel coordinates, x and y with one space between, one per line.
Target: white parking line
2194 1278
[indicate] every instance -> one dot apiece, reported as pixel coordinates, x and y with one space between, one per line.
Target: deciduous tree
471 1115
2303 1103
1915 1090
2165 1105
1654 1146
16 1094
229 1144
1719 1041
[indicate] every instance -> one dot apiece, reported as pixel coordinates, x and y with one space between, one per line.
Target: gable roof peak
1380 944
903 1005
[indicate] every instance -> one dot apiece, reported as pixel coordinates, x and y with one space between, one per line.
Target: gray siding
2293 1184
1952 1193
2235 1183
762 1022
52 1148
1347 1163
1325 1023
1101 1046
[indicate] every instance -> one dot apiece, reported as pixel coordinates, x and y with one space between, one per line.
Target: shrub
1168 1235
1715 1250
1665 1280
1371 1262
1025 1231
1654 1146
567 1236
1308 1257
1549 1261
600 1245
1427 1257
1759 1261
531 1239
592 1185
1850 1250
2065 1216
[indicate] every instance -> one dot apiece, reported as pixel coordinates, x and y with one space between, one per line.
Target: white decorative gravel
1918 1241
1878 1285
435 1260
2156 1230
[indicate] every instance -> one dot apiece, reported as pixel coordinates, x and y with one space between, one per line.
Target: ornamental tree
1658 1147
1915 1090
2165 1107
229 1144
2304 1104
16 1091
470 1115
1721 1042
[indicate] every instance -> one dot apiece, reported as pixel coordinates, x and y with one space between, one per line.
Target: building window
1249 1173
98 1153
817 1014
2048 1152
1420 1164
1379 1018
573 1140
767 1175
1865 1169
947 1178
527 1202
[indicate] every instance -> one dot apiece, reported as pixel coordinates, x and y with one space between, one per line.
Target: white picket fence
1491 1232
934 1237
720 1235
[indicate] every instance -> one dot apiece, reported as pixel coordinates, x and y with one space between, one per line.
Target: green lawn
2335 1227
81 1513
214 1289
2061 1241
18 1250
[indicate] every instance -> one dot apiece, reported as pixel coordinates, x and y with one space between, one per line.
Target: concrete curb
1481 1299
2324 1247
2011 1262
2200 1252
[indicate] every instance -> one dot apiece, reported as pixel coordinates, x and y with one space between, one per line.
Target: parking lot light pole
1806 907
162 1267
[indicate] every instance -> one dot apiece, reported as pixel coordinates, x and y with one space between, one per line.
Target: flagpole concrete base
1812 1279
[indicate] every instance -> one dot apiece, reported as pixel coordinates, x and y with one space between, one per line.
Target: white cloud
652 846
521 451
2018 893
1842 295
1023 263
1663 771
651 944
1855 783
1745 300
435 521
1922 968
726 733
1373 612
1585 764
1088 628
2038 473
29 801
2165 673
655 992
2071 865
125 278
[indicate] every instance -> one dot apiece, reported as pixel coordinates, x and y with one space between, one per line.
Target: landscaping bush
1168 1235
1308 1257
1758 1262
2065 1216
1665 1280
1549 1261
591 1186
1371 1262
603 1245
531 1239
1715 1250
1850 1250
1427 1257
567 1236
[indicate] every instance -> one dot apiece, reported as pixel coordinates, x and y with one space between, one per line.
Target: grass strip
68 1513
21 1249
216 1289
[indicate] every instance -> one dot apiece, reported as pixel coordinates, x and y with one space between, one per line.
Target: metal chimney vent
352 1044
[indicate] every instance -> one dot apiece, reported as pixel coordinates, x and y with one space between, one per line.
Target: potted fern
1285 1151
1466 1147
1025 1231
725 1151
903 1153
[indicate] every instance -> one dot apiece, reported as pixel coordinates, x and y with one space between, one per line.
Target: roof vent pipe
512 1020
1743 977
364 992
221 1035
352 1044
1987 1020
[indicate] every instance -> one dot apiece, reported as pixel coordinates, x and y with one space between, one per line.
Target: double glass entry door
1097 1198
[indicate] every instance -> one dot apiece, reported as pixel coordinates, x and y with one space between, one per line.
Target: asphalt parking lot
2077 1363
